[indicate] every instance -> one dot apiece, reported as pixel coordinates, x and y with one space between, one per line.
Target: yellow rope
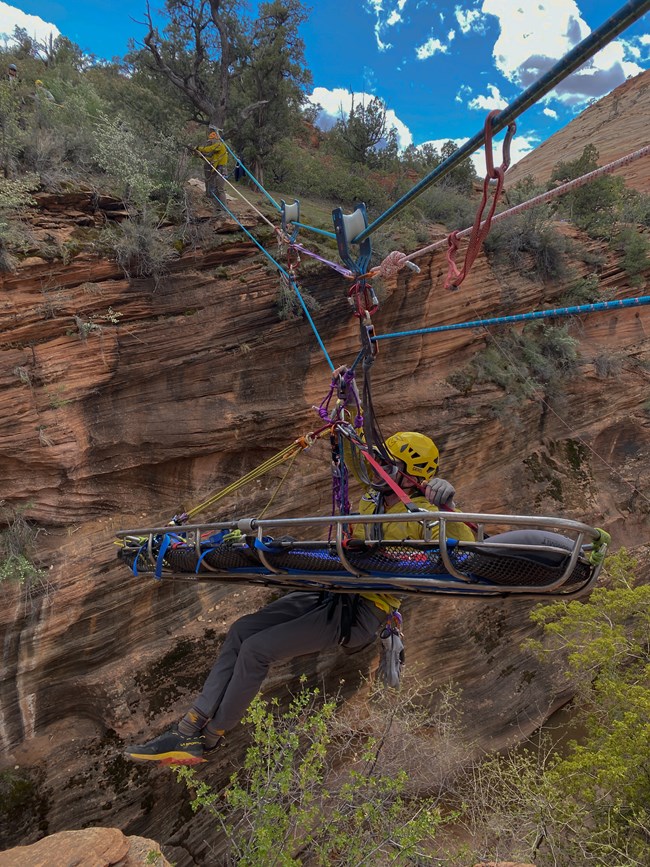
279 485
276 460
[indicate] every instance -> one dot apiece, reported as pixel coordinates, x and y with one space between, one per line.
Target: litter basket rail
535 556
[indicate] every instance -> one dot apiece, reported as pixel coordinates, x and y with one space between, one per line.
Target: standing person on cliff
12 74
215 160
302 622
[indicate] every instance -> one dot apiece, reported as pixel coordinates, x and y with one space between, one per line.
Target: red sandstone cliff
196 382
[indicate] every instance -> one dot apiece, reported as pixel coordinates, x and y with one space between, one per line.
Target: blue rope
597 39
314 229
520 317
253 179
287 275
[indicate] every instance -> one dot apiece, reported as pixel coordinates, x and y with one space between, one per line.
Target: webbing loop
481 227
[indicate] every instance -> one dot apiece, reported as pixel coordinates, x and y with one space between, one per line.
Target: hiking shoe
170 748
210 752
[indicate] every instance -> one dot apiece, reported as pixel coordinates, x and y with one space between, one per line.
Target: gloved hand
440 492
597 555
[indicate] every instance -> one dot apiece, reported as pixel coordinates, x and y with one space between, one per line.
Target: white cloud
36 27
388 13
463 93
645 39
429 48
337 101
519 147
470 20
535 35
549 112
489 103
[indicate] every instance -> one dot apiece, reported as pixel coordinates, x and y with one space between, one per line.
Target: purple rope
339 268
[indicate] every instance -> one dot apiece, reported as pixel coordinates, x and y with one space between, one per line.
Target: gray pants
295 625
214 183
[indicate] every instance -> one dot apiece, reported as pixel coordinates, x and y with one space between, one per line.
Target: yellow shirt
394 531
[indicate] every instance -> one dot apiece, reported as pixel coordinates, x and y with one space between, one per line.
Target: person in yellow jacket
214 167
415 457
304 622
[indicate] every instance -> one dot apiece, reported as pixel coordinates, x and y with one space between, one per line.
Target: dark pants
215 185
295 625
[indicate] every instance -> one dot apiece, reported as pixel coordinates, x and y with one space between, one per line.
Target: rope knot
392 264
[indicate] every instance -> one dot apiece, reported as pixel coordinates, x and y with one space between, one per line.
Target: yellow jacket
216 152
394 531
414 529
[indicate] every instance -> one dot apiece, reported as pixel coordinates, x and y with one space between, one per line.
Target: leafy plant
15 196
525 364
17 549
289 806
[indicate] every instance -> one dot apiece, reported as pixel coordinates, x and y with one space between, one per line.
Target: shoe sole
171 758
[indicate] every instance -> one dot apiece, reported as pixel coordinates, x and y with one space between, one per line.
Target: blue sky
439 66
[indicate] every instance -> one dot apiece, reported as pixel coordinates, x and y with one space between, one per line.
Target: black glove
440 492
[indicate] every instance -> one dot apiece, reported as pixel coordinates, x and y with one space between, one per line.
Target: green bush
585 802
584 290
289 805
287 302
139 246
525 364
17 549
529 244
635 249
15 236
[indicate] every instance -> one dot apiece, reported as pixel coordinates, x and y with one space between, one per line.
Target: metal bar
250 524
597 39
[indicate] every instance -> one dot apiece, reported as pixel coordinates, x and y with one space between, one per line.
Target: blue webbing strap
161 556
134 568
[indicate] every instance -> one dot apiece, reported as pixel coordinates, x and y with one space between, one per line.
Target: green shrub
17 549
529 244
139 246
15 236
635 249
287 302
585 290
537 360
289 805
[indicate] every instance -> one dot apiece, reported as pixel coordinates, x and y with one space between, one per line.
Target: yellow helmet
38 82
419 453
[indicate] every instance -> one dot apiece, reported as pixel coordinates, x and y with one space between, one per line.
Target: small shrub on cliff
141 250
635 249
15 195
530 244
287 303
285 808
17 549
535 361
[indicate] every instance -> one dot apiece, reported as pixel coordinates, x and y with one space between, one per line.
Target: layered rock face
126 402
616 125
